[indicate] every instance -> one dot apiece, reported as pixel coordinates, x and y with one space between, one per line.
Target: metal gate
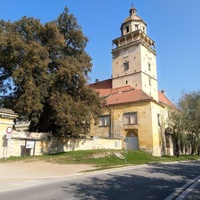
132 143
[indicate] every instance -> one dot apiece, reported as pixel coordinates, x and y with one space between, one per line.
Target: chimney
163 91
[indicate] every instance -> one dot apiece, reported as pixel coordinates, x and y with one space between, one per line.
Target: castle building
135 111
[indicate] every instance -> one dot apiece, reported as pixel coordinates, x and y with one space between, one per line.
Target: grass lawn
102 159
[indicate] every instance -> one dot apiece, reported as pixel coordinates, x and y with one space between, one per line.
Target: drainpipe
111 121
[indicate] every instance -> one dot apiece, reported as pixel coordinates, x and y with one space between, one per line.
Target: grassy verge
102 159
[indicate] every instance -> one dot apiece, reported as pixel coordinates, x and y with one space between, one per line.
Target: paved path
19 174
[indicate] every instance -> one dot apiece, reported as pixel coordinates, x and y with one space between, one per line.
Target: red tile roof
125 94
103 87
127 97
164 100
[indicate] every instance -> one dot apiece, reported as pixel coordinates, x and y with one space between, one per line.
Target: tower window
127 29
149 81
126 82
149 66
136 26
126 65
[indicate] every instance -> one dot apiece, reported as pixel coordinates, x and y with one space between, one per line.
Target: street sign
8 132
30 144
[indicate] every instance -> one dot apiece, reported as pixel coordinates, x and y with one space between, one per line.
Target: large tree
190 107
185 123
43 74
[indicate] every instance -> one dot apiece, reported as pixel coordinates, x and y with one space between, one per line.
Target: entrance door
132 143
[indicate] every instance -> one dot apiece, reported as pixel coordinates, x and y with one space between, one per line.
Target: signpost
9 131
125 140
29 144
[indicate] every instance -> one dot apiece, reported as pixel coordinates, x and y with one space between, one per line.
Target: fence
27 144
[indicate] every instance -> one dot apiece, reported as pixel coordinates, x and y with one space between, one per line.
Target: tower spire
133 10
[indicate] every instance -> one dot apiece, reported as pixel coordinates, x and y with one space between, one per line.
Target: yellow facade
147 130
7 117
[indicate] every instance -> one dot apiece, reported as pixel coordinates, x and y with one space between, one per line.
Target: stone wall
29 144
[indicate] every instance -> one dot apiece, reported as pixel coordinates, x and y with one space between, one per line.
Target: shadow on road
154 182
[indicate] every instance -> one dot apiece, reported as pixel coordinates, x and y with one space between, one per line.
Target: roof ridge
147 95
118 92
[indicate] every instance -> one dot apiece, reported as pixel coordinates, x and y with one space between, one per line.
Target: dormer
132 23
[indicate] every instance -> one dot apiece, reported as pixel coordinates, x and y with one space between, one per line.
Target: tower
134 57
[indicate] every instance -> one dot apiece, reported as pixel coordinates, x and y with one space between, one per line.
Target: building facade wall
6 120
149 72
143 128
150 127
101 131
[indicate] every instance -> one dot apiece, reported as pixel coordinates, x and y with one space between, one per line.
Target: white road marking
181 192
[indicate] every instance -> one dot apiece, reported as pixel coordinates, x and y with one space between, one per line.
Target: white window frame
104 120
130 118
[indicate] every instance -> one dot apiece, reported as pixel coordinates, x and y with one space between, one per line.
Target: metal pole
125 156
6 149
125 140
25 148
34 148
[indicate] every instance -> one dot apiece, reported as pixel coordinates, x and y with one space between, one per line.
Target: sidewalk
20 174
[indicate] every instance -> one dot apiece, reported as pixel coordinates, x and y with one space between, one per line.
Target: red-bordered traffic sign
9 130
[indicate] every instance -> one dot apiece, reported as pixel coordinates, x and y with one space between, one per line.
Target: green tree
190 107
176 127
185 123
43 74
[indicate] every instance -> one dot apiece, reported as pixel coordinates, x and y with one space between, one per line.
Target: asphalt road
156 181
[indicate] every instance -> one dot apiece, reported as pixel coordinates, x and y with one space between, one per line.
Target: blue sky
173 24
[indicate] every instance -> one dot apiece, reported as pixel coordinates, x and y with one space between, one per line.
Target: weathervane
132 5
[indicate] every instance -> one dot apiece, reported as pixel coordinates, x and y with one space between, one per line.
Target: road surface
155 181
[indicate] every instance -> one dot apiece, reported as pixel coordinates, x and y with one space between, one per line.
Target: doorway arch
132 143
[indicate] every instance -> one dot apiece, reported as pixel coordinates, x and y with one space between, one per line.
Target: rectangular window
158 117
104 120
149 81
126 65
127 29
136 27
149 66
130 118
